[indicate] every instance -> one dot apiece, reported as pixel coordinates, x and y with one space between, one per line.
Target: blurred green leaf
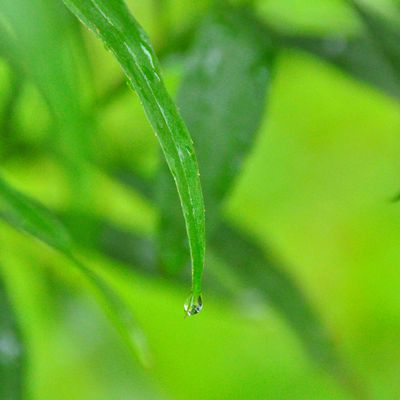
120 32
12 351
256 270
383 32
386 36
373 58
358 57
30 217
222 99
119 244
253 268
36 45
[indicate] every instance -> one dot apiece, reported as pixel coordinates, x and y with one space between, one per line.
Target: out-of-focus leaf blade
12 351
247 260
222 99
35 45
252 268
384 32
30 217
125 246
358 57
373 58
38 42
121 33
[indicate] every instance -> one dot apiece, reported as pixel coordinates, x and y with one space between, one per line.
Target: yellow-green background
316 189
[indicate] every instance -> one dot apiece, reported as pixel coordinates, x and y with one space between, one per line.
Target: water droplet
193 305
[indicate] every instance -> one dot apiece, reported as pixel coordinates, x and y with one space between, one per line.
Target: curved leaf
222 99
250 265
30 217
120 32
372 57
35 45
384 32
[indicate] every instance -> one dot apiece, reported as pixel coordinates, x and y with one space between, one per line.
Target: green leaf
120 32
12 351
30 217
373 57
357 57
249 262
35 44
250 266
222 99
384 33
122 245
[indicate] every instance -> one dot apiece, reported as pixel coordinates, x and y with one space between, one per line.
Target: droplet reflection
193 305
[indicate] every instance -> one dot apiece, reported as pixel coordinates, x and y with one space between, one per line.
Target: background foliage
293 109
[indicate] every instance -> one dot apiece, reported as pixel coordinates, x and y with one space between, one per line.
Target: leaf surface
36 45
358 57
30 217
222 99
121 34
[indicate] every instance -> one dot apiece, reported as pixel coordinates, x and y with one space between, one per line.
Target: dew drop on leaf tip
193 305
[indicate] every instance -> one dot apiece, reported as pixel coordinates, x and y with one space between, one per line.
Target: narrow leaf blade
357 57
121 33
385 34
249 263
222 99
30 217
36 46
